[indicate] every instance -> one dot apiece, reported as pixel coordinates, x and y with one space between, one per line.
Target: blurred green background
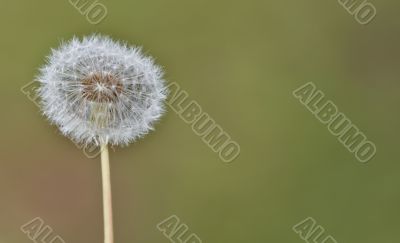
240 60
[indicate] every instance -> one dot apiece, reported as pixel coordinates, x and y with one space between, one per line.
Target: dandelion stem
107 199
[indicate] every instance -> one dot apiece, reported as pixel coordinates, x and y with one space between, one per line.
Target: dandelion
102 92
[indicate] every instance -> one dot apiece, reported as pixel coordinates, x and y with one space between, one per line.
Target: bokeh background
240 60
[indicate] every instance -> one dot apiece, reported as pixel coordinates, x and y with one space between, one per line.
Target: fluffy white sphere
98 91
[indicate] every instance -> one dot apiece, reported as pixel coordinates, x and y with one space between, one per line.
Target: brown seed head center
101 88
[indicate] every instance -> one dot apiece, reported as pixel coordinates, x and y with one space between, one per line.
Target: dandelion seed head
97 90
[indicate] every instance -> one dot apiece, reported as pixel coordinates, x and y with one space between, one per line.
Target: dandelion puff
99 91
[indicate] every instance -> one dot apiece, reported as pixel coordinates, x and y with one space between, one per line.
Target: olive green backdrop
240 60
